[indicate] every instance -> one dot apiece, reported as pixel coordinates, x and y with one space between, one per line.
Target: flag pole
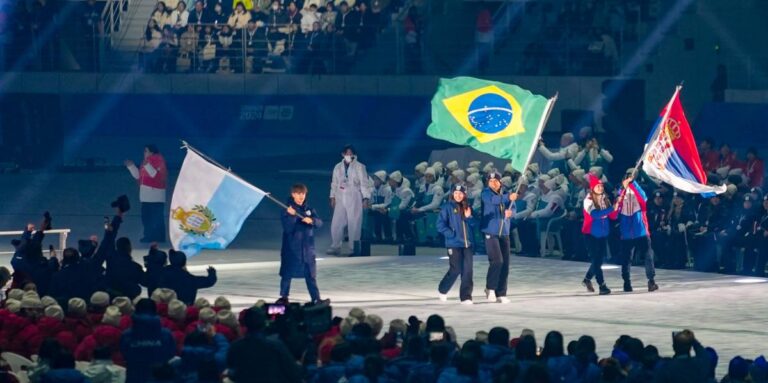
662 125
186 145
539 129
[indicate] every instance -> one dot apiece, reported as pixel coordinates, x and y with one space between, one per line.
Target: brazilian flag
500 119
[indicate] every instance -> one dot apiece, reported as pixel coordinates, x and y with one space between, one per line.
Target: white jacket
561 153
553 199
436 191
178 19
384 191
354 179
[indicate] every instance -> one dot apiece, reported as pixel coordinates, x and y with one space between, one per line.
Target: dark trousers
459 264
314 291
526 230
637 247
153 220
382 225
705 253
497 248
404 227
597 248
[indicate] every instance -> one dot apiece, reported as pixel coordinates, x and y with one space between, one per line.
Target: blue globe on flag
490 113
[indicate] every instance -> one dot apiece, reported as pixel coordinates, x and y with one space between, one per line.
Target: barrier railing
63 234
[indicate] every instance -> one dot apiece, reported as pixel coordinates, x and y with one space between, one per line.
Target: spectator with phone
297 254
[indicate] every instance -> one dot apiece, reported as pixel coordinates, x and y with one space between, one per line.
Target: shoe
491 295
604 290
504 300
627 287
588 284
322 302
282 301
467 302
442 297
333 251
652 286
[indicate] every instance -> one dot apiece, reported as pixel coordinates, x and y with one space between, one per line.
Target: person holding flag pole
505 121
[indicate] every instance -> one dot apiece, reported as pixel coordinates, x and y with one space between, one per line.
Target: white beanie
222 303
421 167
473 170
202 303
430 171
357 313
459 174
112 316
554 172
488 167
76 307
597 171
438 166
534 167
100 299
48 301
730 189
54 311
177 310
376 323
124 304
473 178
396 176
207 315
544 178
522 181
227 318
453 165
551 184
508 168
346 325
13 305
506 181
381 175
475 164
579 173
16 294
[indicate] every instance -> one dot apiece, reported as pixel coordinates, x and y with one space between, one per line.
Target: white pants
348 213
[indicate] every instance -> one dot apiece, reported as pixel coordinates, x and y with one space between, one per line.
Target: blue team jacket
492 220
456 228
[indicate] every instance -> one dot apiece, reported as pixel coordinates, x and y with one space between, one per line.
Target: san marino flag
209 205
500 119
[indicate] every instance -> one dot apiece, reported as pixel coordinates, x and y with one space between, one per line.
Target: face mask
275 7
347 159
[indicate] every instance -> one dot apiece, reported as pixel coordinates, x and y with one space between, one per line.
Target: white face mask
347 158
275 7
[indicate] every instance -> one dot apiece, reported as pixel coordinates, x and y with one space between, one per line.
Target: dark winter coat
185 284
145 345
64 375
298 248
79 280
493 221
256 359
193 357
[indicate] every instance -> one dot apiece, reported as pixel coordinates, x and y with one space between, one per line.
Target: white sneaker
491 296
333 251
503 300
468 302
443 297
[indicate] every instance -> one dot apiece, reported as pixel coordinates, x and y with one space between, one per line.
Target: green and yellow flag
500 119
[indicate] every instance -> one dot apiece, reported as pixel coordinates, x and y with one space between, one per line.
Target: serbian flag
671 154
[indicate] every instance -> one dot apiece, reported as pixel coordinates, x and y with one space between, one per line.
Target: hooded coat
298 247
145 345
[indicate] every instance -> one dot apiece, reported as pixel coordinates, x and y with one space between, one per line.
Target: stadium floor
726 312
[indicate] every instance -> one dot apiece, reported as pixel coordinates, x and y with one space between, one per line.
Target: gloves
681 227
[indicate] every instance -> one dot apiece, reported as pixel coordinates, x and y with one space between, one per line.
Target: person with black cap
152 178
681 219
297 252
658 226
154 262
350 194
740 234
455 223
497 209
176 277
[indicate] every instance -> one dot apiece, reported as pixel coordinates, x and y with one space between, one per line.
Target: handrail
111 17
63 234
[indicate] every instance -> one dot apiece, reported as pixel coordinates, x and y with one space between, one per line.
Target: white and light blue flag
209 205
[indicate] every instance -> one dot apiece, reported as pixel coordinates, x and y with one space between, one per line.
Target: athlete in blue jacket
497 208
635 235
455 223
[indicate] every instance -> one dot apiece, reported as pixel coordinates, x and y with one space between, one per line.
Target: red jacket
484 21
103 336
81 327
710 160
755 170
160 178
27 342
54 328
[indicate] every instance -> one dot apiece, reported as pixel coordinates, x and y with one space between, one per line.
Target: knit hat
177 310
222 303
506 181
438 166
522 181
551 184
472 170
488 167
346 325
100 299
16 294
460 187
475 164
76 307
124 304
493 175
13 305
430 171
227 318
473 178
578 173
544 178
375 322
207 315
453 165
30 301
357 313
381 175
534 167
398 325
421 167
112 316
731 189
597 171
163 295
508 168
202 303
593 181
48 301
54 311
459 174
554 172
396 176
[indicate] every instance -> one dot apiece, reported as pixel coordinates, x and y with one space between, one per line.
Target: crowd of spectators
308 36
726 233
